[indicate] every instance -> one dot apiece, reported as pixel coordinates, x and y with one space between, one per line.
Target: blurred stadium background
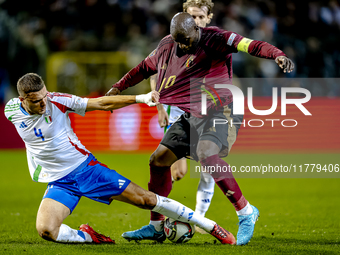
82 47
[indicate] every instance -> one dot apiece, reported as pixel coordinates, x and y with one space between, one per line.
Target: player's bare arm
163 118
109 103
153 81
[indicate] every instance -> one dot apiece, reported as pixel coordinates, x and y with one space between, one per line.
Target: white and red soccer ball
177 231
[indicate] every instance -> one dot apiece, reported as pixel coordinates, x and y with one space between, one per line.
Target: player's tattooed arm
285 63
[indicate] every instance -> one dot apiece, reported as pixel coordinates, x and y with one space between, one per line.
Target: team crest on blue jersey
48 117
189 62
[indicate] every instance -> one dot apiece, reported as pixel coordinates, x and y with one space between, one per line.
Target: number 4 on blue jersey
39 134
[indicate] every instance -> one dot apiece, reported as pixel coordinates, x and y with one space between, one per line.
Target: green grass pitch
297 216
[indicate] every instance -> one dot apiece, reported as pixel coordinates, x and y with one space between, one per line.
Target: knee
203 154
47 232
153 159
179 169
206 149
162 157
156 160
178 174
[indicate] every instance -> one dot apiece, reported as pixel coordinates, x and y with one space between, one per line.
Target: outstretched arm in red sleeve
142 71
265 50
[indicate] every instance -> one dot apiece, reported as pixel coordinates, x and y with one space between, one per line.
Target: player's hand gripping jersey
53 149
181 77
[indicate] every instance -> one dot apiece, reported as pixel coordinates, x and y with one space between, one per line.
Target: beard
193 47
190 50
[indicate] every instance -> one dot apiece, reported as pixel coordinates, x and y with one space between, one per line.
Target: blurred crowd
307 31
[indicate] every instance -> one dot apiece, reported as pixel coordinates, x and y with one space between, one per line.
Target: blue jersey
53 150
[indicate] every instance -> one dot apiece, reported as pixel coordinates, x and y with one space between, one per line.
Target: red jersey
182 77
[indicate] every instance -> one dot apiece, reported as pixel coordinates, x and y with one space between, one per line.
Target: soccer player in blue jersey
56 156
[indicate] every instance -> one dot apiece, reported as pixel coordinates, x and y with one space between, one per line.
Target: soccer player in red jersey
201 11
188 60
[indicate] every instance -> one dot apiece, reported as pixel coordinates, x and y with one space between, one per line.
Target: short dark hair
198 3
30 82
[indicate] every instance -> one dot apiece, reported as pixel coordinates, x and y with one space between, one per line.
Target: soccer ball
177 231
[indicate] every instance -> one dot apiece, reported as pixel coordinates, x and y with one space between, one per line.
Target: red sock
225 181
161 184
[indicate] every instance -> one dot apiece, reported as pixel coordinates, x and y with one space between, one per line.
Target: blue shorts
91 179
